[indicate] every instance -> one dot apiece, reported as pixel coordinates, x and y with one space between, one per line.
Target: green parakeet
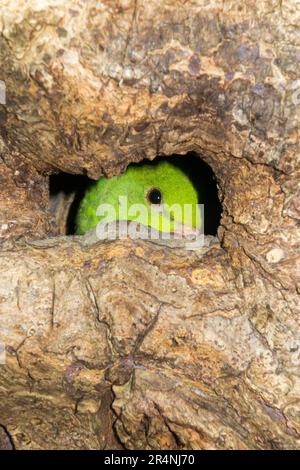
155 194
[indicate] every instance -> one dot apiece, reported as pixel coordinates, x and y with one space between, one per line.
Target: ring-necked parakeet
166 198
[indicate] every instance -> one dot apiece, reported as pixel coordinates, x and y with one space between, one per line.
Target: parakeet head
155 194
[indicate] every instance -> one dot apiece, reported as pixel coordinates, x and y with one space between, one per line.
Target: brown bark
131 343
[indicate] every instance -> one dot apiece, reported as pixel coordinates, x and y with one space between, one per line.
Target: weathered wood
130 343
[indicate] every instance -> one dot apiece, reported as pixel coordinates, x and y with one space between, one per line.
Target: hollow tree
134 344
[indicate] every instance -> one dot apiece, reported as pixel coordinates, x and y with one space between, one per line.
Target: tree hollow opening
67 191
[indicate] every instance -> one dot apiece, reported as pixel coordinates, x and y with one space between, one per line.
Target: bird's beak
186 231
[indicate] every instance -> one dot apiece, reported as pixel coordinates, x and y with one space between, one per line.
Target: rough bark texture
129 343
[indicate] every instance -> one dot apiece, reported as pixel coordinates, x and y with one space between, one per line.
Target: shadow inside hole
67 190
71 188
204 180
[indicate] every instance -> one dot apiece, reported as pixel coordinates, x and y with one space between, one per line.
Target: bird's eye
154 196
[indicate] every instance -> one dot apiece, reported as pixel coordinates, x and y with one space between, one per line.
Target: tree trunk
133 344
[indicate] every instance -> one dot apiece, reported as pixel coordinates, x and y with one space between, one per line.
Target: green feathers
155 194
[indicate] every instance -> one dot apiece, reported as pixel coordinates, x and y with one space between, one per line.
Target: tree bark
134 344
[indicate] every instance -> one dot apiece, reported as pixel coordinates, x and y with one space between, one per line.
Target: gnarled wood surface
129 343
